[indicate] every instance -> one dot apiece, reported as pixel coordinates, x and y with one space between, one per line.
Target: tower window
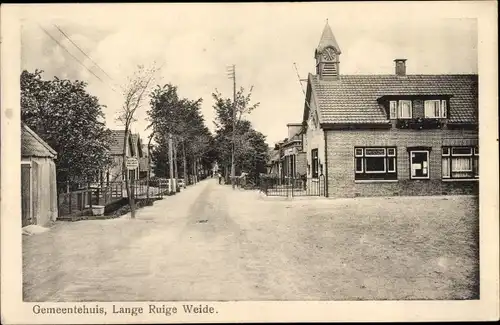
329 69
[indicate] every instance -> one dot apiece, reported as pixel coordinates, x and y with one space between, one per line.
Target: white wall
46 188
314 139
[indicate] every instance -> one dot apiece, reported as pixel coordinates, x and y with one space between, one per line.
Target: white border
15 312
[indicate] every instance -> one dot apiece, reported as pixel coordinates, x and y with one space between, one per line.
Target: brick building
288 159
384 135
293 157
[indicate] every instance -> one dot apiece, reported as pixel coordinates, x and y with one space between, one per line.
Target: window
435 108
314 160
329 69
405 109
419 164
393 108
377 163
460 162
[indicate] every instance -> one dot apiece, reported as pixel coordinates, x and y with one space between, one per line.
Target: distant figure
220 177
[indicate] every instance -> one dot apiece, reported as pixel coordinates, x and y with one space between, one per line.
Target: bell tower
327 55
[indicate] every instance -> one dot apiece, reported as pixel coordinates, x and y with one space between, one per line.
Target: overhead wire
82 51
74 57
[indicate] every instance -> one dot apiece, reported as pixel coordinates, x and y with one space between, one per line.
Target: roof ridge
37 137
402 77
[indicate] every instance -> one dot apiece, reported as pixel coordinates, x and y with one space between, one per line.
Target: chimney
293 129
400 67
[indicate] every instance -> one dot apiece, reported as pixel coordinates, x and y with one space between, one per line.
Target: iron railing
292 186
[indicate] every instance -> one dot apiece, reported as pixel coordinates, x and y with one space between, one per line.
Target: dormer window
405 109
435 108
416 110
400 109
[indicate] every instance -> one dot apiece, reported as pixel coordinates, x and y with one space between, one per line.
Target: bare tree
135 92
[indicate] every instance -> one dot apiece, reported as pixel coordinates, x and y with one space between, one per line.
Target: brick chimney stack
400 67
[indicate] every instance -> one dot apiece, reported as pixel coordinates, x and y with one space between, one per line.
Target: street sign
132 163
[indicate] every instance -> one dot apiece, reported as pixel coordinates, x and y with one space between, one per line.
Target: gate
293 186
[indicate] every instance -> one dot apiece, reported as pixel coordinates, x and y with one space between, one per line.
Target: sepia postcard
249 162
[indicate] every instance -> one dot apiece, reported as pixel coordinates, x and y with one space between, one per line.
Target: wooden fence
78 201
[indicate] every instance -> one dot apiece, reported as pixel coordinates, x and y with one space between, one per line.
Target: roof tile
353 98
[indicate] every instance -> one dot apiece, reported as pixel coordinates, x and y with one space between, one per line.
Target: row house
134 148
384 135
288 159
293 157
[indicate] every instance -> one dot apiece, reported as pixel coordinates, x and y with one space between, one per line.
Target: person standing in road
220 177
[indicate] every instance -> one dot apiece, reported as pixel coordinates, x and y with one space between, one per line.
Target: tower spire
328 39
327 55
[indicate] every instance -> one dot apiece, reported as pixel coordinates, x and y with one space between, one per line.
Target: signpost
132 163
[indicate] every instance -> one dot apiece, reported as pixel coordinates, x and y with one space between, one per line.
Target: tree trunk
176 170
170 163
148 175
125 171
194 171
184 163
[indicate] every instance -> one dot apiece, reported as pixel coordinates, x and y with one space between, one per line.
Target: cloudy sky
196 42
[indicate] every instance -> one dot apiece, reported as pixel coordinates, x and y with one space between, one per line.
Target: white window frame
447 156
472 156
376 156
441 105
361 153
430 109
461 154
400 109
359 156
393 109
411 163
362 166
380 155
395 162
444 108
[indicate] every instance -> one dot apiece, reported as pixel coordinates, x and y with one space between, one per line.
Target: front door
26 195
419 164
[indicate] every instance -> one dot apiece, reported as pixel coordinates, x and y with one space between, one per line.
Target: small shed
38 179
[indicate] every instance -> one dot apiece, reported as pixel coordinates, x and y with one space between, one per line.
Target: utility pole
170 161
232 75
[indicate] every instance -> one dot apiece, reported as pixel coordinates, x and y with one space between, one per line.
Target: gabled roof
274 155
353 98
33 146
327 39
117 137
